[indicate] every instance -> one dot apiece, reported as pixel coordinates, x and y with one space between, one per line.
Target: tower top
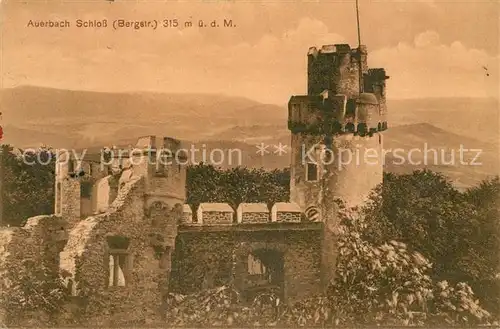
339 49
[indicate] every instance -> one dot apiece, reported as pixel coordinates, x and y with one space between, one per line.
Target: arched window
362 129
349 127
311 171
118 261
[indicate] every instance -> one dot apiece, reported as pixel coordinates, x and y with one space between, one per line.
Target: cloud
427 39
429 68
269 68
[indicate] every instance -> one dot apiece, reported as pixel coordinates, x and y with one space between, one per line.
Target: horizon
491 97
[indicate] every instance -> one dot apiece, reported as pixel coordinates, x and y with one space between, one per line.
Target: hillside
83 119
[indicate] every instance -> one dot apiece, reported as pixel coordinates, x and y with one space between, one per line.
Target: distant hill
478 118
95 117
84 119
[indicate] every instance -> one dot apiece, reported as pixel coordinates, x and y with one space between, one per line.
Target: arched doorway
265 273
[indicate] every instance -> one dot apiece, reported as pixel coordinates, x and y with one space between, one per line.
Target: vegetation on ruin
206 183
32 291
28 184
385 283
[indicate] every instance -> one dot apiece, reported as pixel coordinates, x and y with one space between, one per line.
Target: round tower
336 137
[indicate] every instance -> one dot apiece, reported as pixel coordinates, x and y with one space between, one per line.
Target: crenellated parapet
336 68
222 214
215 213
344 96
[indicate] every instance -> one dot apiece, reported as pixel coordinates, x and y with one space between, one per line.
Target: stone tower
164 170
336 137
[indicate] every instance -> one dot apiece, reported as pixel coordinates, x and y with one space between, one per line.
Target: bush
375 284
388 284
31 290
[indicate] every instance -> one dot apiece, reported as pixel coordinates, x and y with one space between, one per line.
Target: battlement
377 74
339 49
337 68
336 114
222 214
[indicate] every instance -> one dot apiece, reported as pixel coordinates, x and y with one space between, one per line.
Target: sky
428 48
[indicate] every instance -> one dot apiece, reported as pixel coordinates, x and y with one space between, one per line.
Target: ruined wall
86 259
205 259
335 67
70 198
23 250
100 195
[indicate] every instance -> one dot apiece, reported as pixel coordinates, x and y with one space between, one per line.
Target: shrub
32 290
389 284
375 284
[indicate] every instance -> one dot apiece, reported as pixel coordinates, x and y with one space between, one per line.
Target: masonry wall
101 193
302 192
86 260
352 182
255 217
287 217
23 250
217 217
335 69
70 198
205 259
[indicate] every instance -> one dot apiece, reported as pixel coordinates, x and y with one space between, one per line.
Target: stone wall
217 217
86 259
255 217
335 67
70 198
303 265
205 259
286 217
33 246
187 214
101 194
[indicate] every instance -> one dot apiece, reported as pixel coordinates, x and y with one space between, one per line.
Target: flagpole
359 49
1 176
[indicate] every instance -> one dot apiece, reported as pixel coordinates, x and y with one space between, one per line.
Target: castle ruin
123 237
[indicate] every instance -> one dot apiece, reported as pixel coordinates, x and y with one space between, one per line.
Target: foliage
389 284
223 306
32 289
28 178
206 183
374 284
424 207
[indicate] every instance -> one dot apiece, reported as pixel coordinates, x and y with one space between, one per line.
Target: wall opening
58 199
118 261
265 273
71 166
86 190
362 129
350 108
311 172
86 207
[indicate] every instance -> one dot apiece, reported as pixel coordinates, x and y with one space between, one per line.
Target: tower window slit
311 172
